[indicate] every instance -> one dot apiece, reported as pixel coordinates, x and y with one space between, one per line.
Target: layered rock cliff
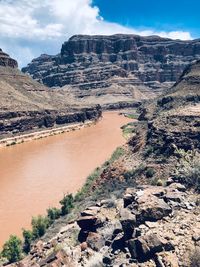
179 109
91 62
27 105
7 61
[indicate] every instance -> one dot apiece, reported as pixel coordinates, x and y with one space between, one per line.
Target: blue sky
29 28
162 15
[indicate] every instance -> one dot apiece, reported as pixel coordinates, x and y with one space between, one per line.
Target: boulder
145 247
128 222
166 259
118 243
59 258
151 208
95 241
89 223
128 199
173 196
177 186
91 211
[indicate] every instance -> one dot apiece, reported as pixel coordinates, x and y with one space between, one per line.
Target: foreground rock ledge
131 232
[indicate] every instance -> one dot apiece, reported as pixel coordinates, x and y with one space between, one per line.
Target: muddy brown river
36 174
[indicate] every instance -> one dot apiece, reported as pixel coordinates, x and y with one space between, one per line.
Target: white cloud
31 27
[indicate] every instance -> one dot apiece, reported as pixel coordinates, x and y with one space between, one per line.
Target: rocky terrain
148 226
101 69
142 207
26 105
179 109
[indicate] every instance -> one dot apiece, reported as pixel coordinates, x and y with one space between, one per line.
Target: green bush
53 214
39 225
67 203
12 249
148 151
28 238
150 172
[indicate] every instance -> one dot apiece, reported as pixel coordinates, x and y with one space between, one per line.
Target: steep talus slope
179 109
126 66
27 105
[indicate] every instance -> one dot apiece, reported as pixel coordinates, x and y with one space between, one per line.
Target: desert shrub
157 181
148 151
28 237
188 168
132 116
130 175
150 172
12 249
67 203
39 225
53 214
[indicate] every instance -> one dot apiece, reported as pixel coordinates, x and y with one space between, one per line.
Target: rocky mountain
27 105
130 66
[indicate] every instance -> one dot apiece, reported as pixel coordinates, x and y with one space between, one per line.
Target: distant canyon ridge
126 65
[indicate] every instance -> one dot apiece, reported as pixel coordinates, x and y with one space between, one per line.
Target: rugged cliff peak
7 61
91 61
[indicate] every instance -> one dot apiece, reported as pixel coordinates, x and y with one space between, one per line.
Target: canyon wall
26 105
91 62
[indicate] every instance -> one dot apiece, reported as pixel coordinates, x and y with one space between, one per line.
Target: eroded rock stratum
91 62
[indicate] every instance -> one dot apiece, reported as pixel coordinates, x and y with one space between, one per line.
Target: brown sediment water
36 174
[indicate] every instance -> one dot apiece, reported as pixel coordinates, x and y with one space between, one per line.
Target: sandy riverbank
19 139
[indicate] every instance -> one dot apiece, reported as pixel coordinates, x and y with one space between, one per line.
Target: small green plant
159 182
150 172
12 249
128 130
67 203
134 172
39 225
132 116
148 151
53 214
28 238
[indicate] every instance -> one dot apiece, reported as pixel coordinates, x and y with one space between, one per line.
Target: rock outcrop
7 61
15 123
179 109
91 62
